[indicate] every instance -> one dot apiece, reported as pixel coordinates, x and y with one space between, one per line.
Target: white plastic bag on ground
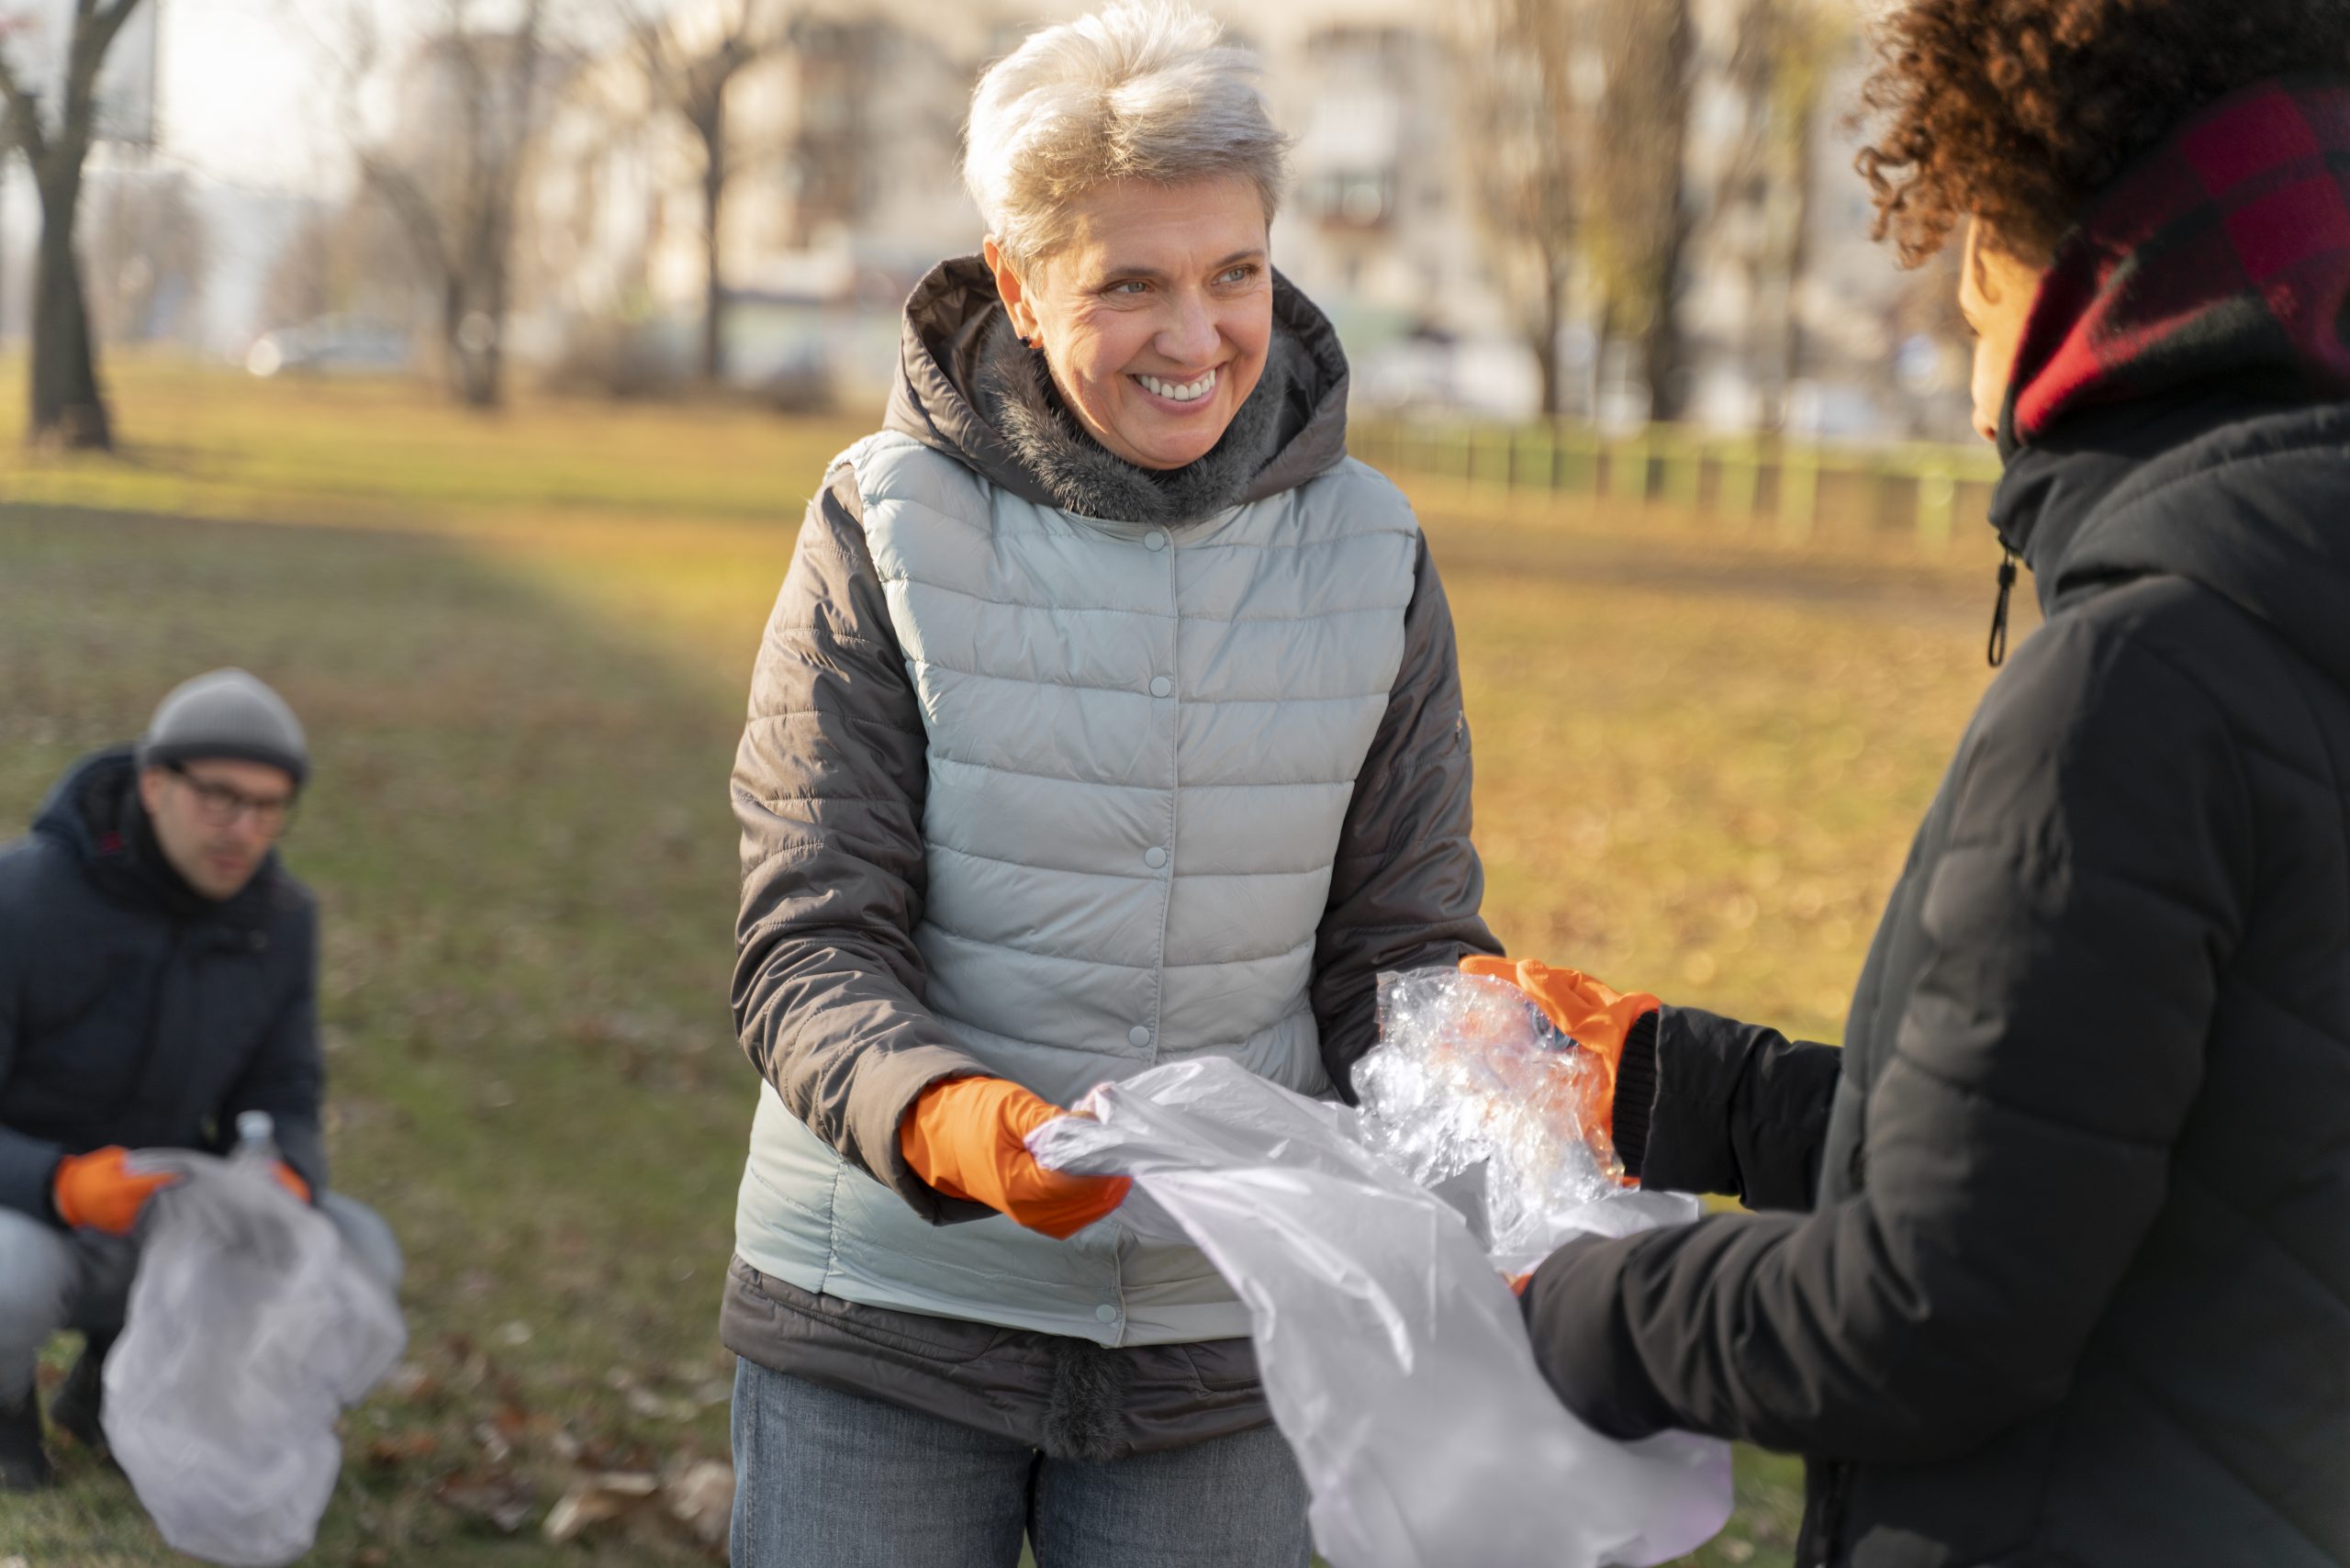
250 1326
1392 1353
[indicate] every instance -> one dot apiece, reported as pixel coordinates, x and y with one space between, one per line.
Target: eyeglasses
218 805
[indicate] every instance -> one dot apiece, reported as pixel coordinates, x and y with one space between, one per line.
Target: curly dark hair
2018 112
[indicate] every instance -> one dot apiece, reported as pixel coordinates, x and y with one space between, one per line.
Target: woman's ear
1013 292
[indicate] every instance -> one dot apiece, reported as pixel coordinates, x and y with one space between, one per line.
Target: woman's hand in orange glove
967 1137
1595 1016
98 1191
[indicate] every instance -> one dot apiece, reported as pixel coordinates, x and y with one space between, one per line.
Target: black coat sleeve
829 786
28 1164
1707 1105
2072 930
1407 885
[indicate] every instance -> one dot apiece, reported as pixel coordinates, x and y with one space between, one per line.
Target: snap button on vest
1162 687
1154 858
1138 1036
1106 1313
1155 539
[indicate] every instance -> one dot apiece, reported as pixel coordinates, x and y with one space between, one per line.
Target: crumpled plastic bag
250 1326
1393 1354
1473 1092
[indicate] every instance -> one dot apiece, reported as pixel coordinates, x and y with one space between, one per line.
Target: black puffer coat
135 1012
2075 1288
2069 1278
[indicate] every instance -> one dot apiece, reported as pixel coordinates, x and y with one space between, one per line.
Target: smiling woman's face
1156 316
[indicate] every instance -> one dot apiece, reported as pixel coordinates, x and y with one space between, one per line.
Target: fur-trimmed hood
967 388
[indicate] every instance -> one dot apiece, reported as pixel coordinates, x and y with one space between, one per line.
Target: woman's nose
1191 338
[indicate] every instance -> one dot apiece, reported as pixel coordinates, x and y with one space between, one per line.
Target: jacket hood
953 315
2243 498
2178 404
94 813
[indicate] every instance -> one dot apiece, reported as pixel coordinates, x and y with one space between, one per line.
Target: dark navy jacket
134 1011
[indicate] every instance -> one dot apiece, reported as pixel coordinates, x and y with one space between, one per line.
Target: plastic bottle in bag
256 1139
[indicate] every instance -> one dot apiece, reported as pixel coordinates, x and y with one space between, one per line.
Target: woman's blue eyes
1133 286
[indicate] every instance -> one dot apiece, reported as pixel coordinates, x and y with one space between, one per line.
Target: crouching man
158 976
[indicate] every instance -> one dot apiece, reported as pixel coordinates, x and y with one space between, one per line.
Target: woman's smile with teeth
1179 391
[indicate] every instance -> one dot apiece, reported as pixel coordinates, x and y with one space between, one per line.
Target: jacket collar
2222 255
2176 406
954 336
94 813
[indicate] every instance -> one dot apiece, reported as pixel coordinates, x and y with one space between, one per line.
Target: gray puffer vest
1141 741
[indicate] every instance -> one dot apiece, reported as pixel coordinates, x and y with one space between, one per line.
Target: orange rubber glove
1594 1016
291 1180
967 1137
98 1191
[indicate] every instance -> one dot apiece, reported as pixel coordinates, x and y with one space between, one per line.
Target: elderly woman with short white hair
1109 716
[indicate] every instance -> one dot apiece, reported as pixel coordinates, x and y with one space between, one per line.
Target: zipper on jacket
2000 614
155 1005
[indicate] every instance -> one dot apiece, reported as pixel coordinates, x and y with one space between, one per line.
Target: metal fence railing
1803 486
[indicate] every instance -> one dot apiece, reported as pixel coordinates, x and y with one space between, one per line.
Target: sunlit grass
522 644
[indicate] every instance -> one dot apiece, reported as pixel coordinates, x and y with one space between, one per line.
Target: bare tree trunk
1603 334
711 128
1662 353
1546 347
1795 262
489 392
69 409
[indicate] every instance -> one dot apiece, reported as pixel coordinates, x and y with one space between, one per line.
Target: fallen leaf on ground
498 1499
596 1498
702 1499
390 1453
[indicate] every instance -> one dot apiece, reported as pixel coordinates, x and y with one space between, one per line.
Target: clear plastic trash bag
1392 1353
250 1326
1474 1092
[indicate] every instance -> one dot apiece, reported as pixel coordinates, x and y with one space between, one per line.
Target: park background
464 368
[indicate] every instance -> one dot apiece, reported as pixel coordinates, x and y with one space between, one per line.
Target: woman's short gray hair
1143 89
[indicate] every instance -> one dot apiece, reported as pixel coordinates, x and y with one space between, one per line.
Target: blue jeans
831 1479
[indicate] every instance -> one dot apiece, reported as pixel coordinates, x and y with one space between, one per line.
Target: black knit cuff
1636 1093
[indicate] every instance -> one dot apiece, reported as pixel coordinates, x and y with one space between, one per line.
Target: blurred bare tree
689 61
1532 136
1778 68
68 408
1643 217
150 253
468 102
351 260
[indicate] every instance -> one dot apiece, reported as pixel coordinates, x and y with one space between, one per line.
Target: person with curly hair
2052 1260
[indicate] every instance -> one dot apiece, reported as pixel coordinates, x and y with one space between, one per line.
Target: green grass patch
522 645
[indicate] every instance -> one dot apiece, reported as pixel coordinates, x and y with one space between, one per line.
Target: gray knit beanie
226 713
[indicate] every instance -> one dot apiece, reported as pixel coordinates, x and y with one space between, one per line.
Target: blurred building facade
843 187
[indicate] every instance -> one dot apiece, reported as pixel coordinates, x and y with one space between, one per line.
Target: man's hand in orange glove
1594 1016
98 1191
967 1137
291 1180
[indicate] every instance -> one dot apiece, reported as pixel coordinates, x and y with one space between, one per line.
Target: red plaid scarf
2226 253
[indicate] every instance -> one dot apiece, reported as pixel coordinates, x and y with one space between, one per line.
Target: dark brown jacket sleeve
1405 890
828 786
